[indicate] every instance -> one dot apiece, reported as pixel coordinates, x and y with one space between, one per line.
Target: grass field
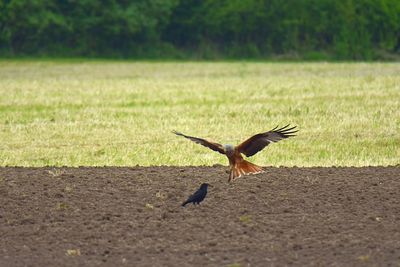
120 113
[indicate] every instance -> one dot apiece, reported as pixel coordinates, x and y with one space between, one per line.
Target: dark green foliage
308 29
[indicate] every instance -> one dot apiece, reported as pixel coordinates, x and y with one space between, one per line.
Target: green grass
122 113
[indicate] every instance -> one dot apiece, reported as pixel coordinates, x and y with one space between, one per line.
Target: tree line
206 29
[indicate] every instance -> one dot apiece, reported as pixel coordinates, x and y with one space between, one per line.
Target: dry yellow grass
122 113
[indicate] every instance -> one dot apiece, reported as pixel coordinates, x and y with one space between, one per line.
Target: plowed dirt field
117 216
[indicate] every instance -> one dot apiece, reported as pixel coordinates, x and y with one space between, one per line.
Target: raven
198 196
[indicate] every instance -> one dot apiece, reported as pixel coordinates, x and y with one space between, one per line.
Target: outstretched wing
258 142
214 146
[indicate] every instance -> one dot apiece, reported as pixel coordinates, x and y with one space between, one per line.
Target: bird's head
229 149
204 185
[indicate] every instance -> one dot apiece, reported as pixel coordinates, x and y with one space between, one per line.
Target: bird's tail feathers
244 168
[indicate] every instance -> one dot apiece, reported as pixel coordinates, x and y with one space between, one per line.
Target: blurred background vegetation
202 29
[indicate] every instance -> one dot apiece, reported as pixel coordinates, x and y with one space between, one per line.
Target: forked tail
243 168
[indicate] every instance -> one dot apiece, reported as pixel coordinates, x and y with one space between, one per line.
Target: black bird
198 196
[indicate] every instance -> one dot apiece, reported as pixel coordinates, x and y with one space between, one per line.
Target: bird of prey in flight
256 143
198 196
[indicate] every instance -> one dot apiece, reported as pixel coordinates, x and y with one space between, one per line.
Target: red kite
256 143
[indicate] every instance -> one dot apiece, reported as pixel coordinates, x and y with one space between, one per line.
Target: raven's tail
184 203
243 168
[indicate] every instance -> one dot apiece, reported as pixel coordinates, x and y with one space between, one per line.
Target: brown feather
212 145
258 142
243 167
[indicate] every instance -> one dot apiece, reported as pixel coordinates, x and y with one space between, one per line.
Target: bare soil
113 216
